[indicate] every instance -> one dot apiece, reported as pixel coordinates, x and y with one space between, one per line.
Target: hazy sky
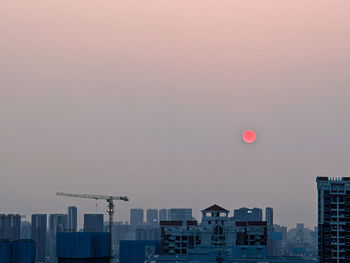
149 99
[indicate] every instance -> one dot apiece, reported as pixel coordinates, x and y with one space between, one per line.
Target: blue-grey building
246 214
10 226
93 222
152 217
38 234
182 214
17 251
163 214
136 217
72 219
131 251
79 247
57 223
269 216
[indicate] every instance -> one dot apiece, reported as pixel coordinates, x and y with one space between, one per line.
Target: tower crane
110 211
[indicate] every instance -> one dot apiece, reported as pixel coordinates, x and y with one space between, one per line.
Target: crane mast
110 212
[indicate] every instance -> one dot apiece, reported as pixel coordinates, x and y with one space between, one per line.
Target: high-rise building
271 240
72 218
93 222
152 217
182 214
269 216
245 214
136 217
333 219
26 230
38 234
10 226
163 214
57 223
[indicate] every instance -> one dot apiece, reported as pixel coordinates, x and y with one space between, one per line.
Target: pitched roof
215 208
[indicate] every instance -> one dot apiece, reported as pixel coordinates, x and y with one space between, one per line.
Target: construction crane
110 211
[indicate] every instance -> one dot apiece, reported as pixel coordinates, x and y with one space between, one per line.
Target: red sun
249 136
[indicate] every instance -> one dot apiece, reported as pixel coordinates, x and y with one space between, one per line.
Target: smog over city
174 104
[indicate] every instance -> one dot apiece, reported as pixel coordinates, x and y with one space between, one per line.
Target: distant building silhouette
72 219
10 226
38 234
26 230
163 214
245 214
93 222
269 216
182 214
57 223
152 217
136 217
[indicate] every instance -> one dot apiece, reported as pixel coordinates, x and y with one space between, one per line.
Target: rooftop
215 207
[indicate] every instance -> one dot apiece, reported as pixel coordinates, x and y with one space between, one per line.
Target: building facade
333 219
83 247
136 217
38 234
246 214
182 214
93 222
269 216
163 214
57 223
10 226
72 219
152 217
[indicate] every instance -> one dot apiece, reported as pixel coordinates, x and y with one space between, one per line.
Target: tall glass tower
72 218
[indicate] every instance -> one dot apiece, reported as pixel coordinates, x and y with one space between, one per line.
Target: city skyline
150 100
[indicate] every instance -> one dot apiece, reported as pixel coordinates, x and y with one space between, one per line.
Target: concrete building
277 241
179 237
93 222
251 240
152 217
245 214
215 239
72 219
333 219
10 226
38 234
182 214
